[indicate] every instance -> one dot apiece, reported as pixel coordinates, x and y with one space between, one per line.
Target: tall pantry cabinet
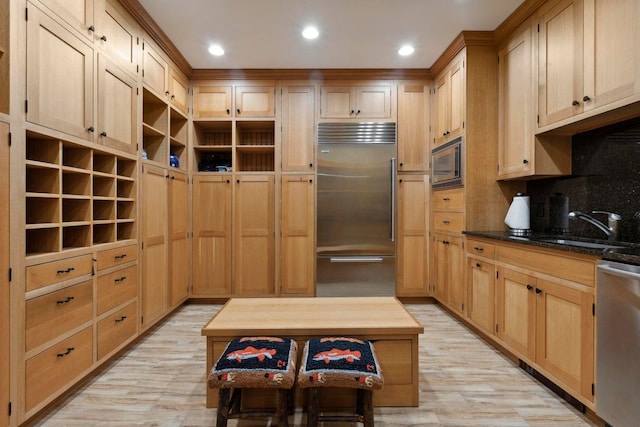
4 279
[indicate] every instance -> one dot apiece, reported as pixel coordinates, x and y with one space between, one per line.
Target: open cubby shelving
155 122
76 196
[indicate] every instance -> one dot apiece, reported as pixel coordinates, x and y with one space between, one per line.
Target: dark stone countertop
627 252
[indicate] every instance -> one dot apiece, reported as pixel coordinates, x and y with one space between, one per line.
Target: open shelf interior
214 160
76 196
155 120
178 127
210 133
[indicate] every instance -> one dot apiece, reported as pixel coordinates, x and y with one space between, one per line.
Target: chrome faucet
613 219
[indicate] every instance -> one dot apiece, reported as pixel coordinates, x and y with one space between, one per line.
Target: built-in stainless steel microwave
446 164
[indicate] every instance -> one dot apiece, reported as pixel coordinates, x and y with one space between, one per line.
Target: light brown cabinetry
587 58
118 35
5 92
165 244
78 15
449 271
254 235
5 324
413 236
178 91
450 101
155 70
298 235
355 101
212 219
413 128
539 305
233 99
298 128
481 285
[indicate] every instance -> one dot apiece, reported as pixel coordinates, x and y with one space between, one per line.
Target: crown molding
313 74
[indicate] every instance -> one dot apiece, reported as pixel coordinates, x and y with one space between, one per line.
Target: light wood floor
463 382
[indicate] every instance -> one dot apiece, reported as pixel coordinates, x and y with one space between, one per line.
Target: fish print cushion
339 362
256 362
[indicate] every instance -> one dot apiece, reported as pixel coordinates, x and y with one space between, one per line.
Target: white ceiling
353 33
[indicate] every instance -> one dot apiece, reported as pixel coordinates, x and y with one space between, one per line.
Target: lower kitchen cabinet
164 238
4 279
212 210
254 235
115 329
298 259
449 256
516 314
481 289
412 260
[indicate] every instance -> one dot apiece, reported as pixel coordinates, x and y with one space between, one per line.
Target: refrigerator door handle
393 199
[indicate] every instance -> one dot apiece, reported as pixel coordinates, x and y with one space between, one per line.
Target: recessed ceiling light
310 33
406 50
216 50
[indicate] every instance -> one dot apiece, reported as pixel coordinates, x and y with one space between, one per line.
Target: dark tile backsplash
606 176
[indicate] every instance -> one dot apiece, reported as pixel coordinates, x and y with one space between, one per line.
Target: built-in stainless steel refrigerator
356 209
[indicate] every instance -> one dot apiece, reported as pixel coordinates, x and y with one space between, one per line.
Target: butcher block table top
312 316
382 320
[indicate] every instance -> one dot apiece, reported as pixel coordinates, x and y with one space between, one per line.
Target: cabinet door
440 267
212 235
117 107
481 282
211 101
337 102
155 71
442 108
4 279
560 62
118 35
456 280
154 241
77 14
612 51
298 128
254 235
255 101
179 91
373 102
298 243
516 311
59 66
413 128
413 208
515 107
457 97
565 335
178 238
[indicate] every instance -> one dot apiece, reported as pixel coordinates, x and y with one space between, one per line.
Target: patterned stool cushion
256 362
339 362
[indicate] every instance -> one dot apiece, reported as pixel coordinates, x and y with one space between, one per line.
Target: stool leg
313 407
282 407
223 407
367 407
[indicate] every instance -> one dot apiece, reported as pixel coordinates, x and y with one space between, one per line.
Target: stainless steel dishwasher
618 344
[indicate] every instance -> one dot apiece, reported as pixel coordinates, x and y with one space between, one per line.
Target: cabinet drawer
53 314
448 221
112 257
42 275
478 247
51 370
448 200
117 288
115 329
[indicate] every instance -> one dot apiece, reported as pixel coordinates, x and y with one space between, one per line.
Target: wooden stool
255 362
340 362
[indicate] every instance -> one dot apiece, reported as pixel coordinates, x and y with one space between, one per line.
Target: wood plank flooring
463 382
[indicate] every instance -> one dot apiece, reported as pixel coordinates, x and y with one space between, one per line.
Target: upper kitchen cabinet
233 99
119 36
450 101
354 101
588 59
77 15
521 153
298 127
59 66
178 91
155 70
413 128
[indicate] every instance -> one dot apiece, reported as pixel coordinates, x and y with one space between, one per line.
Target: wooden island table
382 320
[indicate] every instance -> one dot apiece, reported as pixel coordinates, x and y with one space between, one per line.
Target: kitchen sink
581 244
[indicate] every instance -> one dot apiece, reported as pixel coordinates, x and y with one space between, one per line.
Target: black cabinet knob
586 98
103 133
538 291
575 103
91 129
166 92
238 110
91 28
228 111
103 38
310 165
352 111
525 161
529 287
478 265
